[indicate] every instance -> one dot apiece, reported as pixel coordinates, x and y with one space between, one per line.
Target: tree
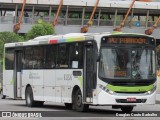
40 29
8 37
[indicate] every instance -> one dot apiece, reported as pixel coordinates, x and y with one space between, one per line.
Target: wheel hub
28 99
79 100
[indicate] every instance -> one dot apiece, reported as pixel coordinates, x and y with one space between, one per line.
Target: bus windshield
127 63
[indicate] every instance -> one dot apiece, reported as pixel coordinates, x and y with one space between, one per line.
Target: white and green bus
82 69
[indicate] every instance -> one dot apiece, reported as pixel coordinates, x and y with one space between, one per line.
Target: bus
82 69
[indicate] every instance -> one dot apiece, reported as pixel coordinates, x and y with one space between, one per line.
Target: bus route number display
127 40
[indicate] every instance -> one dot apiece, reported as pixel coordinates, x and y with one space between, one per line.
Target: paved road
60 113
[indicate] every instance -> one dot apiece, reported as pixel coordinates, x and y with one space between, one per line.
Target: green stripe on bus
12 82
130 89
80 78
69 40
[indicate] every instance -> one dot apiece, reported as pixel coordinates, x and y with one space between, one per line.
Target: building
75 14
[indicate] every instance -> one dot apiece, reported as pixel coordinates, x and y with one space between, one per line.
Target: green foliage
8 37
40 29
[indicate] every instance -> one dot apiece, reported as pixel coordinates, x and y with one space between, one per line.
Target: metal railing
104 22
7 19
74 21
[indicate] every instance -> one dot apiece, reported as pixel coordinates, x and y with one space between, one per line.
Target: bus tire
77 102
3 97
39 103
68 106
29 97
127 109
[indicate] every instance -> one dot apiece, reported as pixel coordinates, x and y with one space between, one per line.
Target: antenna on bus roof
85 28
150 31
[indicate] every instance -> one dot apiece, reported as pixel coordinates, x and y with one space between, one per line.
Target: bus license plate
131 99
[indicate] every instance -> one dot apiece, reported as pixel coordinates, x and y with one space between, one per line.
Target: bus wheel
68 106
3 97
77 102
38 103
127 109
29 97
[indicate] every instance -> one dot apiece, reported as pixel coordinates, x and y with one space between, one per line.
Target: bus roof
54 39
71 37
122 33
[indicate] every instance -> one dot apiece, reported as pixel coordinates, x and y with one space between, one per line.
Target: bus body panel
48 85
158 87
65 81
8 83
37 85
26 80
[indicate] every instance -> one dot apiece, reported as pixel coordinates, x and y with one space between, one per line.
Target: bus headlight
106 89
151 91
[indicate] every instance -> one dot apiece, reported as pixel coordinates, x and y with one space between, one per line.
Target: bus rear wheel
77 102
3 97
127 109
39 103
29 97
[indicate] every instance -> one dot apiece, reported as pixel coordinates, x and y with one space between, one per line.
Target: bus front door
17 74
89 82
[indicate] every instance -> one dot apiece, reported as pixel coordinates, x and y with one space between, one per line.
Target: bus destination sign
127 40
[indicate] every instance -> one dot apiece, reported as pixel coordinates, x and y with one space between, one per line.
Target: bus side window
9 59
38 57
50 56
27 58
76 55
63 56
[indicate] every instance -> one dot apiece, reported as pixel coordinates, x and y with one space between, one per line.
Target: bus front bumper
104 98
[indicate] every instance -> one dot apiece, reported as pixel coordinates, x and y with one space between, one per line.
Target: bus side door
17 74
89 82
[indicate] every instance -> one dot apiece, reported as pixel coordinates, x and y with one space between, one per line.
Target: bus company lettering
127 40
67 76
34 76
